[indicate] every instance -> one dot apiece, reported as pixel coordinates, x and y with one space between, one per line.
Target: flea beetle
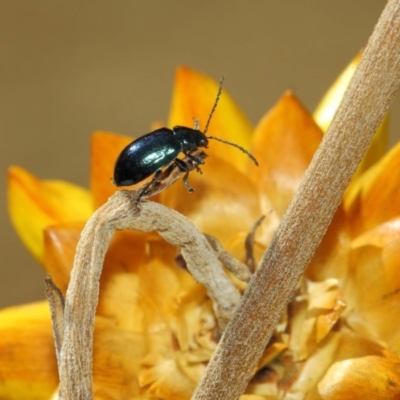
149 153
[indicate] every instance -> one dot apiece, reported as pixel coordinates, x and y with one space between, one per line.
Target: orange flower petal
196 323
116 357
331 258
162 285
377 149
173 370
105 149
35 205
165 379
28 368
375 198
120 283
224 202
338 346
314 320
372 286
60 243
140 282
176 375
193 97
308 373
284 143
369 377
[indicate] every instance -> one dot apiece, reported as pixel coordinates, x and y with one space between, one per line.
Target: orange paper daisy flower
156 328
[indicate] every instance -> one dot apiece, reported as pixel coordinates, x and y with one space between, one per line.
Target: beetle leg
196 161
147 186
194 164
194 158
183 167
186 183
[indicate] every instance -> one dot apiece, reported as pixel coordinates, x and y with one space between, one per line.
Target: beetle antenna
221 81
235 145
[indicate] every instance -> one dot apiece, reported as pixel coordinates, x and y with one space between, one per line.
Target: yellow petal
337 346
120 284
310 324
116 358
369 377
326 109
173 370
284 143
376 150
174 375
375 197
165 379
331 258
28 368
140 283
193 97
35 205
372 286
196 323
105 148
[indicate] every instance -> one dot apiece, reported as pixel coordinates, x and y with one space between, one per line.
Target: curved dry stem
365 103
240 270
122 212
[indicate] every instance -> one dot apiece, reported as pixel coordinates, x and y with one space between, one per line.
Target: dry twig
366 101
122 212
238 269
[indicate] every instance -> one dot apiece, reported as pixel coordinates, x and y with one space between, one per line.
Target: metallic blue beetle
149 153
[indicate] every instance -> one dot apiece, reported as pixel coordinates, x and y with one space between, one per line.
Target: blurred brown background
71 67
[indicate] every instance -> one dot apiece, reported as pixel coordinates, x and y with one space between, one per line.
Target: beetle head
189 139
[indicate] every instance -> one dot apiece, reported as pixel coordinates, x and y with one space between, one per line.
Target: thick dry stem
305 222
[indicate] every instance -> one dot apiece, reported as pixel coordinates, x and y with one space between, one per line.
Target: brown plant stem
364 105
122 212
